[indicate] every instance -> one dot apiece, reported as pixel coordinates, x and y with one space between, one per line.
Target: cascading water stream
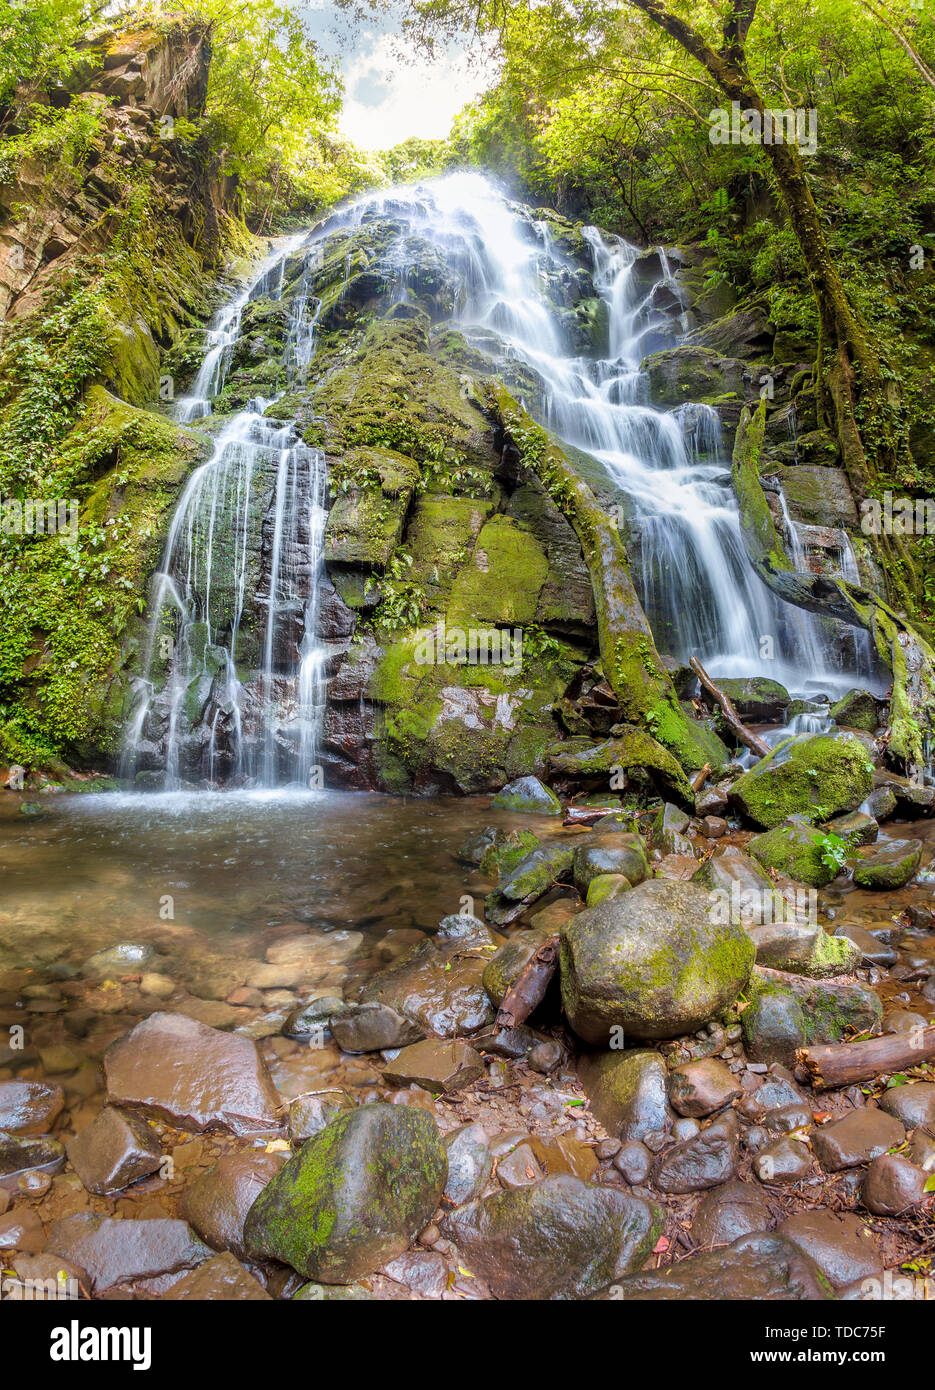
247 533
237 591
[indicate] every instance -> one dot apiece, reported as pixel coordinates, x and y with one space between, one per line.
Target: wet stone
857 1138
788 1117
372 1028
707 1160
440 1066
117 1148
627 1090
27 1153
893 1185
700 1088
891 865
840 1244
217 1202
354 1196
782 1162
421 1272
220 1279
194 1076
726 1213
872 951
760 1266
22 1230
308 1115
116 1250
126 958
559 1238
29 1107
470 1163
912 1104
633 1161
310 1020
520 1167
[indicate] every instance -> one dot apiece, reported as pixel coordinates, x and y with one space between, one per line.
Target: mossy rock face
781 1017
856 710
796 851
691 373
632 750
890 865
528 794
652 963
536 874
607 887
757 699
813 773
503 582
804 950
354 1196
556 1239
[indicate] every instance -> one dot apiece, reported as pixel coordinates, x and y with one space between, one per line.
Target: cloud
391 91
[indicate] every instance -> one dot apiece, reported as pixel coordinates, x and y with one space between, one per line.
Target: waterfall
232 690
245 540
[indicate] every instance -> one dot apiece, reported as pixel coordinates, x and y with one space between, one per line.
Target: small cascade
237 590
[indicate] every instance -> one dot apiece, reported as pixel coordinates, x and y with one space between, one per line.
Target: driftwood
587 815
731 717
528 989
701 777
842 1064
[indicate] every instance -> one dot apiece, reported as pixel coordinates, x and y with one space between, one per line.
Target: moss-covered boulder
757 699
354 1196
652 962
610 854
891 864
633 752
557 1239
799 852
528 794
508 849
691 373
817 774
856 710
607 886
524 885
786 1012
803 949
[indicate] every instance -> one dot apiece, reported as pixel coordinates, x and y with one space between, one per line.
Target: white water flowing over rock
233 690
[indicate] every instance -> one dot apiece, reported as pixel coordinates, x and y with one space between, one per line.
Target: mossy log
631 663
898 644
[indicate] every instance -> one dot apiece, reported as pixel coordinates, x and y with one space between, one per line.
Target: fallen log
842 1064
701 777
587 815
528 989
731 717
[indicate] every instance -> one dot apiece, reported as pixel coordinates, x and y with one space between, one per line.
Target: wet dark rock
46 1277
760 1267
529 880
332 1293
841 1245
420 1271
310 1020
115 1250
685 1127
803 949
545 1056
700 1088
28 1153
870 950
22 1230
470 1163
786 1118
437 1066
788 1011
707 1160
354 1196
893 1185
117 1148
782 1162
621 855
438 985
29 1107
633 1161
477 845
726 1213
857 1138
912 1104
713 827
668 830
921 1150
857 828
627 1090
891 865
195 1077
651 962
371 1027
556 1239
220 1279
217 1202
711 802
528 794
921 917
519 1167
309 1115
757 699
